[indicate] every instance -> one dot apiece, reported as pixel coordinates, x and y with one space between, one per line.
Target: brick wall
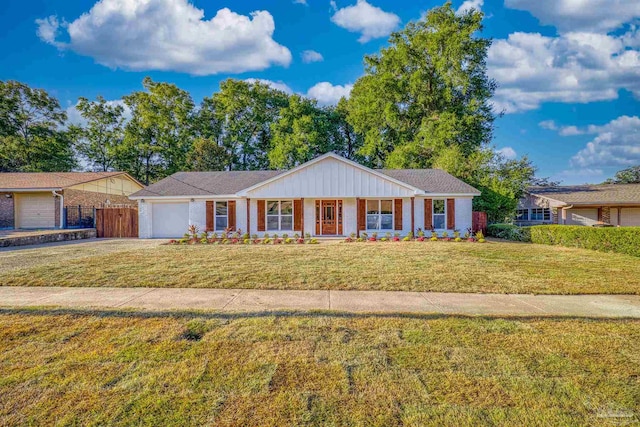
606 215
90 198
6 211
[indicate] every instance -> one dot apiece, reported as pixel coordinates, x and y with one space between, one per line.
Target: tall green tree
301 133
428 91
32 138
626 176
160 132
101 137
206 155
239 118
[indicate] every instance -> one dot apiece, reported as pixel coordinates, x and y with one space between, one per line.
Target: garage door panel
582 216
36 210
630 217
169 220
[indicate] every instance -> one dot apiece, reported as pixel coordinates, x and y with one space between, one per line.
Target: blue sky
568 70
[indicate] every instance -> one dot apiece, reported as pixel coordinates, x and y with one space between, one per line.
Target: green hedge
509 232
625 240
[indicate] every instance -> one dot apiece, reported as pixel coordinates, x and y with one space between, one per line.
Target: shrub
509 232
624 240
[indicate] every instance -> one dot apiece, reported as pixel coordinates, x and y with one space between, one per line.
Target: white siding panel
241 215
349 216
198 215
328 179
464 214
630 217
613 216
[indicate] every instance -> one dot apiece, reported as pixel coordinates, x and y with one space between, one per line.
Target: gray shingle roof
231 182
591 194
205 183
431 180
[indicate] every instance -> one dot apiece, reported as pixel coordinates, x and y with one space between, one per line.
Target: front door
329 217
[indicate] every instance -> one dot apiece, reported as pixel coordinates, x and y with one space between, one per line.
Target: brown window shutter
397 214
231 211
209 215
362 215
451 214
428 214
297 215
261 215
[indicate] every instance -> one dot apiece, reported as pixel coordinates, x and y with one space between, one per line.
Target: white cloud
274 85
169 35
470 4
508 153
304 2
370 21
48 29
309 56
616 143
574 68
580 15
562 130
328 94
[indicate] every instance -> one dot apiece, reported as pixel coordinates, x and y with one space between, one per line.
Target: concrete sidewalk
235 300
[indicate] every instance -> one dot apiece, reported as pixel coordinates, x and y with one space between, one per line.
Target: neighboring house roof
591 194
228 183
51 180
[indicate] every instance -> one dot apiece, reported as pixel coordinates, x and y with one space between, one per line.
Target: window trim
433 214
546 214
216 216
522 210
279 215
379 214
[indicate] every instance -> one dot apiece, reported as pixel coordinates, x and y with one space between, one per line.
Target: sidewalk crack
232 299
135 297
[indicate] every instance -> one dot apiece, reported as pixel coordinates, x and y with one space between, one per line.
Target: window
280 215
221 216
379 214
540 214
522 215
439 215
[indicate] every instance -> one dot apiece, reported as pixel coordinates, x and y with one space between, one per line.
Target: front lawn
500 267
110 368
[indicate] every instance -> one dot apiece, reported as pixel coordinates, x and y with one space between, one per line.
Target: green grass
501 267
113 368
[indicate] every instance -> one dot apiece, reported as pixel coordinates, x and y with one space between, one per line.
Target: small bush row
421 237
509 232
228 237
625 240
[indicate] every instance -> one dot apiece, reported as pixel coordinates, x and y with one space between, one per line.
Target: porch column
249 217
357 216
413 220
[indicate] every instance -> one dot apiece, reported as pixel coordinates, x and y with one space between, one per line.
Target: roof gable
331 176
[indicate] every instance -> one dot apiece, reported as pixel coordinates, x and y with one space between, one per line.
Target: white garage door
36 210
169 220
630 217
582 216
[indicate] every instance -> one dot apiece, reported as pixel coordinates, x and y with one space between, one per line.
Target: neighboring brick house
35 200
613 204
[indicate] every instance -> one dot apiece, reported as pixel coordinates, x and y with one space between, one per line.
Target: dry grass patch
107 368
499 267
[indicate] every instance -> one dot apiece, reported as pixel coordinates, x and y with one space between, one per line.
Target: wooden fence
117 222
479 222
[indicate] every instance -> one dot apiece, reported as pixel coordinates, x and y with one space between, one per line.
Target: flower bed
228 237
422 237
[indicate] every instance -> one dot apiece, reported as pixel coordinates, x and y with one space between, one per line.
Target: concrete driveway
245 300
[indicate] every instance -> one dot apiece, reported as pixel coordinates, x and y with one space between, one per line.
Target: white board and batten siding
330 178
